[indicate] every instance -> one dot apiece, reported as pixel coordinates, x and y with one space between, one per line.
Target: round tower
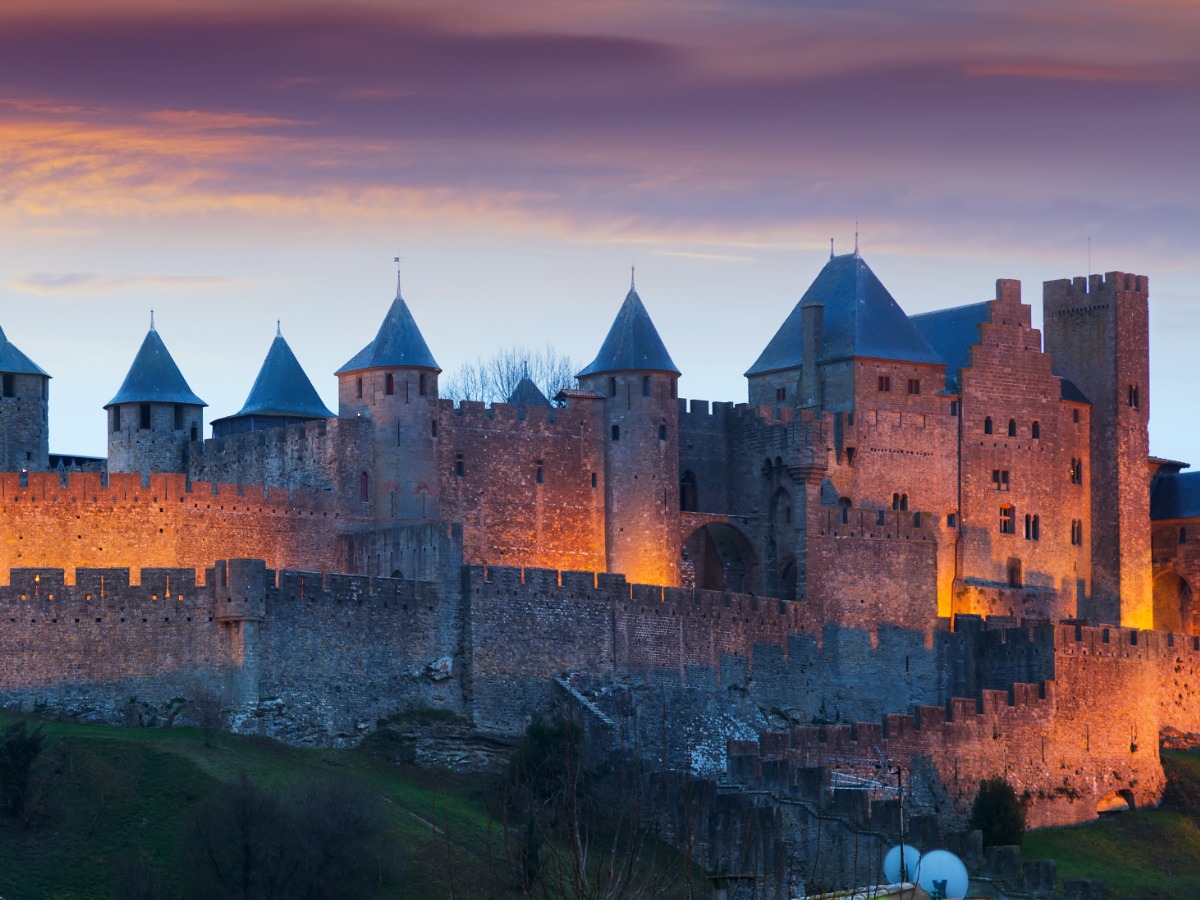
392 384
155 415
641 439
24 411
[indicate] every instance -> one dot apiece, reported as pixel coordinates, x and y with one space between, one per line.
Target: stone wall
24 423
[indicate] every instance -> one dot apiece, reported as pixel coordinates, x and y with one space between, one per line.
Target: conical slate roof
14 361
154 377
632 344
526 393
282 388
861 319
398 344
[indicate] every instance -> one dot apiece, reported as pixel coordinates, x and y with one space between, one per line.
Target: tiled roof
282 388
952 332
860 319
398 344
154 377
632 343
14 361
526 393
1176 496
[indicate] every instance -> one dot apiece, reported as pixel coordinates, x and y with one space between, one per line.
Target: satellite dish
942 874
891 863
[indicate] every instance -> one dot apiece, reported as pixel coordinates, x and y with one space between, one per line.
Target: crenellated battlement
1094 287
876 524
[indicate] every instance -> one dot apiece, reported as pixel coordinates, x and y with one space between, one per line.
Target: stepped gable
398 344
154 377
861 320
526 393
953 332
13 361
632 344
1176 496
282 388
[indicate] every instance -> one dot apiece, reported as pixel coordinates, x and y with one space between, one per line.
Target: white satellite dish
891 863
942 874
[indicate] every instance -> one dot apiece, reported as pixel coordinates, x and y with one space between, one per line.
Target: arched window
987 425
844 506
359 385
900 502
1077 471
616 432
687 492
1012 427
364 487
1035 431
1033 528
389 384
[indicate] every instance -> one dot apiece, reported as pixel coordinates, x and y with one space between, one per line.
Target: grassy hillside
123 805
1153 853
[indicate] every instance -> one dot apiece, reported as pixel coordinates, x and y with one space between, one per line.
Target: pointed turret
391 384
24 404
282 395
846 313
641 441
526 393
154 415
632 344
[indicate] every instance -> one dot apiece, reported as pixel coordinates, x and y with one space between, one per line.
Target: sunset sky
234 164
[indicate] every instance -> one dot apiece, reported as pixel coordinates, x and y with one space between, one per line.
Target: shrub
998 813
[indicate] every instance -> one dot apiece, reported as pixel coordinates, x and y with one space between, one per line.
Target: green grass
132 791
1152 853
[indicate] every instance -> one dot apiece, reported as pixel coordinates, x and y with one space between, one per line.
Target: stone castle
939 535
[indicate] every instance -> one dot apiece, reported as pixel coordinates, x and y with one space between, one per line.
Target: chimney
813 318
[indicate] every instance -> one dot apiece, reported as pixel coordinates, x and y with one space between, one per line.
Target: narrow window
1075 415
1035 431
1133 396
1183 535
987 425
914 385
1012 427
612 386
781 393
433 427
195 432
1028 527
540 476
850 456
616 432
178 413
900 502
880 517
359 386
1015 578
1074 532
916 520
389 384
9 387
674 389
1037 528
143 416
885 383
593 481
116 419
687 492
364 487
422 384
460 465
1008 518
845 511
951 520
954 407
1077 471
645 385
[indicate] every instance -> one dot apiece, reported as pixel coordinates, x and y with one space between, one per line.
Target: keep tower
635 373
392 383
1097 331
24 411
155 416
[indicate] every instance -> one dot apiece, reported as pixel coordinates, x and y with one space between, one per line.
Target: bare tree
494 379
208 708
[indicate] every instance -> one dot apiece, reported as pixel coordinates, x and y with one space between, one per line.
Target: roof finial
152 318
831 248
396 260
856 237
278 330
632 271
